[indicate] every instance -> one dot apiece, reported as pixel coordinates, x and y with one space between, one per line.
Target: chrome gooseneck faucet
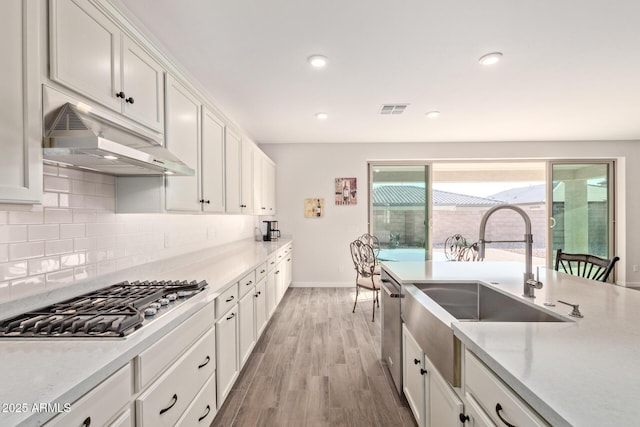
529 282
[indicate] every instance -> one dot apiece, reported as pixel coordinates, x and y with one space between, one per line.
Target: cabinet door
246 326
268 171
183 139
272 293
232 172
259 202
246 176
212 162
260 305
226 354
444 405
413 374
85 51
279 276
20 133
142 84
288 271
477 416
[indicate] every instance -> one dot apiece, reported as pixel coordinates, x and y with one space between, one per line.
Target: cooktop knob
150 311
163 301
183 294
172 297
155 305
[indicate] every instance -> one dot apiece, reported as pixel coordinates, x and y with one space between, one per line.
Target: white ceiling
571 68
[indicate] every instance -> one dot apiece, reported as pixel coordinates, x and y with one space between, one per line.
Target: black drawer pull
175 400
206 362
231 317
498 410
261 271
423 371
416 362
86 422
206 414
129 100
230 299
463 418
249 282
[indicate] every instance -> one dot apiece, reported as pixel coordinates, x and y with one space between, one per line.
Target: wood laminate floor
317 364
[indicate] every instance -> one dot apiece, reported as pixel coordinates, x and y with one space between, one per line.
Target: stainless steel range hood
83 138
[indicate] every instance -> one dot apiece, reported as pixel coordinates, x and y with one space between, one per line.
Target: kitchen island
582 372
45 376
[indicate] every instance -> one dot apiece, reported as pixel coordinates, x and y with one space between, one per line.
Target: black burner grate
110 312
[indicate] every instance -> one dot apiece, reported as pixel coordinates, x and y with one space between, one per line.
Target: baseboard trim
322 285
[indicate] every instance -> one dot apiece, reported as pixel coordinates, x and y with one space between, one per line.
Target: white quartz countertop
53 371
584 372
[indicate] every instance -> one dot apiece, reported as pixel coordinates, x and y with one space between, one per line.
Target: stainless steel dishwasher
392 327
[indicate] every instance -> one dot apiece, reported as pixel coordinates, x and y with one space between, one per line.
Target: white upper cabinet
247 173
90 55
212 164
232 172
264 187
20 132
183 140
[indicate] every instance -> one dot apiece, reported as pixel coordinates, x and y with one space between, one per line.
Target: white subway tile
106 190
13 233
84 216
106 242
75 200
25 287
59 278
72 173
106 267
58 216
94 202
24 217
44 232
99 229
13 270
43 265
85 272
107 217
96 256
5 291
19 251
73 260
3 217
55 247
57 184
99 178
50 200
71 231
50 169
85 243
4 253
83 187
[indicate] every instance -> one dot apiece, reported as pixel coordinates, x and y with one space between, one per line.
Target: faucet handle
576 309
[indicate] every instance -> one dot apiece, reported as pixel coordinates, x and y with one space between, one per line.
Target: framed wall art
346 191
314 208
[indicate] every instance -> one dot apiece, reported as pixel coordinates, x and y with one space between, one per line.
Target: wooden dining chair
362 254
585 265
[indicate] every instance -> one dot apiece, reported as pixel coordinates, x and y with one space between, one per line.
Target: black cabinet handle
87 422
129 100
416 362
118 95
206 362
205 201
243 206
231 317
230 299
262 271
206 414
463 418
498 410
249 282
257 294
423 371
175 400
263 208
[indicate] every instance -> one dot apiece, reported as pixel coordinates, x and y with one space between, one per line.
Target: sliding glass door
400 210
581 212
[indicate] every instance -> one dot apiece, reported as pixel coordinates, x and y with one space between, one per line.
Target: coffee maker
272 233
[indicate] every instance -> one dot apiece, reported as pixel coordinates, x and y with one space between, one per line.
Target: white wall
76 235
322 245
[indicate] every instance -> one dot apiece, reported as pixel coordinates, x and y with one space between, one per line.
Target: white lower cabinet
444 405
226 353
203 408
260 305
477 416
100 405
246 327
495 400
124 420
164 402
413 376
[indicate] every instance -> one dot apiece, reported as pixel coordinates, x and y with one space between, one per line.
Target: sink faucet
529 282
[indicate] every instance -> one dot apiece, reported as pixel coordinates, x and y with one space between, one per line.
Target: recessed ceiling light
490 58
317 61
433 114
322 116
110 157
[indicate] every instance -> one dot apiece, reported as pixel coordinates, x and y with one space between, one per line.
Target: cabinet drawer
167 398
247 283
226 300
153 361
271 262
203 408
261 272
496 398
101 404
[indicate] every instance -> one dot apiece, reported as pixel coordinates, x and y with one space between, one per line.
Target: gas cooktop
115 311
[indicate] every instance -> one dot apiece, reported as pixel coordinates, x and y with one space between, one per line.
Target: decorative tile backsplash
75 234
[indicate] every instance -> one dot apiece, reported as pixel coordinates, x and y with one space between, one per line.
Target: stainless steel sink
479 303
430 308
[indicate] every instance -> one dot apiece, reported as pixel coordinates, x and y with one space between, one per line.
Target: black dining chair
362 256
585 265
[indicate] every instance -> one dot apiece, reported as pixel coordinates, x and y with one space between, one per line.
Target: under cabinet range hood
83 138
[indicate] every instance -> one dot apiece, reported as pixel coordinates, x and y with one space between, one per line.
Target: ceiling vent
393 109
